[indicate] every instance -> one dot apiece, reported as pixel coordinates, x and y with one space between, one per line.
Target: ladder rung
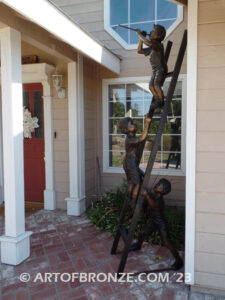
169 74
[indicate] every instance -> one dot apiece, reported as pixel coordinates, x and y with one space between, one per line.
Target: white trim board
46 15
191 139
105 117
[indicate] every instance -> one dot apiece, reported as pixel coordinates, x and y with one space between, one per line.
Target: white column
76 201
15 244
1 157
49 193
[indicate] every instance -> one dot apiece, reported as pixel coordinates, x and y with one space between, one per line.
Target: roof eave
64 29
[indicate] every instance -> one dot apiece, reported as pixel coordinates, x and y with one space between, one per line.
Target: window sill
163 172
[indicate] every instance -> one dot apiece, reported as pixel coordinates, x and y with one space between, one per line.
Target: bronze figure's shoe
178 264
135 247
157 104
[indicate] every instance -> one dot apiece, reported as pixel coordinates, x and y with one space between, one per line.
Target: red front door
34 164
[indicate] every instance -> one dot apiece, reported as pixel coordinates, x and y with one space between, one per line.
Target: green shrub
105 214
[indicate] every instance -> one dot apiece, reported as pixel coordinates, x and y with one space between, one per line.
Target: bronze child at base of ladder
158 221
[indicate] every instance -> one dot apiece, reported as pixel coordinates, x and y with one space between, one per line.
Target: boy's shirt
156 55
159 206
133 148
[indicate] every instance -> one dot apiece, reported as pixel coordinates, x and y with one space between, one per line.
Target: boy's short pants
133 173
158 77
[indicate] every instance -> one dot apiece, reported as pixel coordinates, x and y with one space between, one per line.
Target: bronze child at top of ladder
155 50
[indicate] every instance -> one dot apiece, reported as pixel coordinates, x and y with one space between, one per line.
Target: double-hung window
130 97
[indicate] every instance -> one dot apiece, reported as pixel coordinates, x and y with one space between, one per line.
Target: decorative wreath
29 123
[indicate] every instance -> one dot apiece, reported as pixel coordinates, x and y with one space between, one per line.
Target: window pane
114 126
150 142
137 109
175 109
171 160
171 143
177 91
166 24
117 109
157 163
154 125
139 123
117 92
117 142
123 32
166 10
134 92
26 102
38 112
147 106
118 12
142 10
134 39
173 126
116 158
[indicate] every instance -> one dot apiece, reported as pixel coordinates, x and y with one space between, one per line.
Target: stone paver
63 245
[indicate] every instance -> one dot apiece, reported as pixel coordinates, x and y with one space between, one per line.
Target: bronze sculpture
155 50
121 231
158 221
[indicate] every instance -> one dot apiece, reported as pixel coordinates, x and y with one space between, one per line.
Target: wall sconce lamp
57 82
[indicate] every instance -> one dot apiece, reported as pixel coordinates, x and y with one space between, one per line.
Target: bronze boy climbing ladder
146 181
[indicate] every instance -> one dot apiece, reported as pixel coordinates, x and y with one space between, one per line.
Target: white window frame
119 39
105 118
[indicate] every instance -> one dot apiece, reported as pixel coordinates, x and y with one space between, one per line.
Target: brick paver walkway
67 244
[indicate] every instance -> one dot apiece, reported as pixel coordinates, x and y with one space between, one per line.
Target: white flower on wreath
29 123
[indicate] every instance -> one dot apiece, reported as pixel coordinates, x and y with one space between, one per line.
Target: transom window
133 99
141 14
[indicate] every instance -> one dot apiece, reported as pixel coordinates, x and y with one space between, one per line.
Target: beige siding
90 119
61 151
210 164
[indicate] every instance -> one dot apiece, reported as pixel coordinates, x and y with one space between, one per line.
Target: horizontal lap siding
90 126
210 160
61 151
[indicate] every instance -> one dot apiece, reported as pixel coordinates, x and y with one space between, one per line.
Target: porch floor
68 244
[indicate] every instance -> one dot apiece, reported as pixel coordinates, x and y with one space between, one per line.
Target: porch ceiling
35 35
57 32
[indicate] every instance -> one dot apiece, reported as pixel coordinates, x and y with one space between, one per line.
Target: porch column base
14 250
75 206
49 200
